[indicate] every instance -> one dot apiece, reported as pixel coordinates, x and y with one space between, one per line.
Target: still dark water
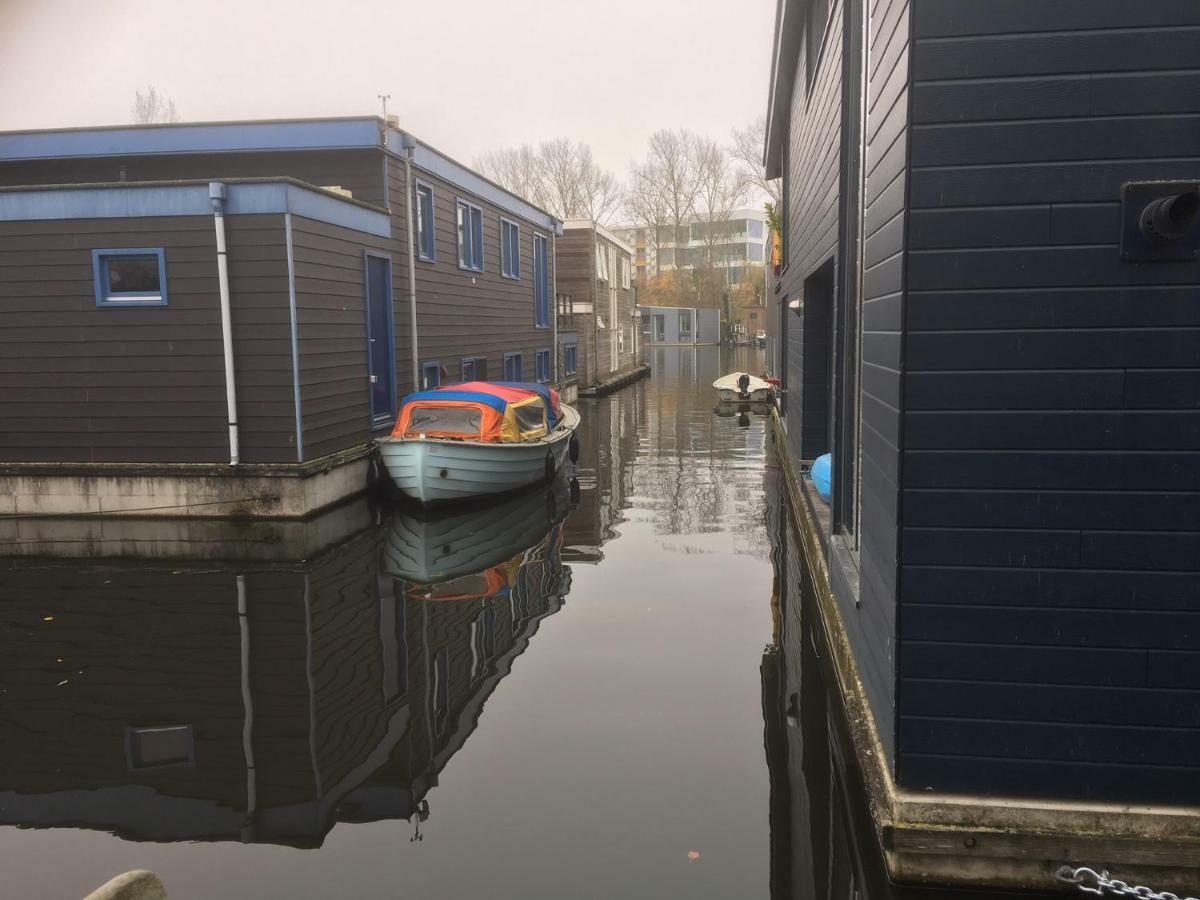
562 696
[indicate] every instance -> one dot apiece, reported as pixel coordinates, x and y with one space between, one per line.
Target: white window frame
513 269
419 222
466 235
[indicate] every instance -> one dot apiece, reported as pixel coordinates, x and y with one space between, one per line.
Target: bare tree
645 206
669 174
559 176
747 152
721 188
151 107
517 169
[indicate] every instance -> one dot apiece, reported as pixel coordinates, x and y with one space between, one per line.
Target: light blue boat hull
441 471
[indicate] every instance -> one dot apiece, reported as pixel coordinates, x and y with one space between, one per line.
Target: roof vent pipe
216 193
409 144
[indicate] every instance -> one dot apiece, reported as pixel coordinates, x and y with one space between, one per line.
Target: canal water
610 688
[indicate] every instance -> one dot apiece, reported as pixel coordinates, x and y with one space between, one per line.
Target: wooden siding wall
1050 616
358 171
812 195
463 313
880 437
574 253
332 323
81 383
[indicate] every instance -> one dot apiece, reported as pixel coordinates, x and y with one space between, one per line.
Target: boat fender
550 468
822 476
573 449
445 473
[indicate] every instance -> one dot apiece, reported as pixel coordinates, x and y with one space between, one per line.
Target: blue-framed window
431 375
510 249
570 359
514 370
541 364
470 236
541 281
426 241
130 276
474 368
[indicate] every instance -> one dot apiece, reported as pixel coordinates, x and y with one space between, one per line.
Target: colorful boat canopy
479 411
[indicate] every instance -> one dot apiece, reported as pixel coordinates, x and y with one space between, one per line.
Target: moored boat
478 439
742 387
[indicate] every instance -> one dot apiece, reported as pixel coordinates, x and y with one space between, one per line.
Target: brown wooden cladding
358 171
81 383
332 328
463 313
576 254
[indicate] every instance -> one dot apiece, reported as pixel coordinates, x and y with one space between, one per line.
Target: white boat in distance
742 387
477 440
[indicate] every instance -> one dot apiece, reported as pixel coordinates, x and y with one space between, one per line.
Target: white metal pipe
216 192
409 189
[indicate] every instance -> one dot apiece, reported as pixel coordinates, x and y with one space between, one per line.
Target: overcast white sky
465 75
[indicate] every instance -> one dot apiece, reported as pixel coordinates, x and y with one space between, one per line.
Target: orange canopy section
478 411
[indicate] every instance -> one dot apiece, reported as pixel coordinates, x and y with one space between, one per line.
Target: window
601 263
685 324
621 339
756 228
755 252
541 363
470 236
130 277
541 281
426 242
513 370
625 272
154 748
570 359
510 249
474 368
431 376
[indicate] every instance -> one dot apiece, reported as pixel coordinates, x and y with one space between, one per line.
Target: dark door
381 340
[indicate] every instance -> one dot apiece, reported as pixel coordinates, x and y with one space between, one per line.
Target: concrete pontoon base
988 841
247 491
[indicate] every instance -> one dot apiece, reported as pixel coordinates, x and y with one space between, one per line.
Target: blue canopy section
497 403
542 390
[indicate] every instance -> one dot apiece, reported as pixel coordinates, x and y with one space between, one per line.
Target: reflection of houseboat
271 699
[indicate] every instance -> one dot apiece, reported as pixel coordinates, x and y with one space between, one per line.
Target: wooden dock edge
616 381
986 841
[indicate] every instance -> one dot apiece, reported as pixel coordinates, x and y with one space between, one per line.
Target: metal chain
1092 882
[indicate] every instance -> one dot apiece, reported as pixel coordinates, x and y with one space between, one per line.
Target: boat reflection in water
265 700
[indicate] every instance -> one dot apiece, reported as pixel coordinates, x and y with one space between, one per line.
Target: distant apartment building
734 244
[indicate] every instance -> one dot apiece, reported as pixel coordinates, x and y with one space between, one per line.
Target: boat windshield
464 420
530 416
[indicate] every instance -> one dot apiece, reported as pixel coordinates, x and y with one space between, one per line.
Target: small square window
541 363
513 368
510 249
474 368
130 277
154 748
431 376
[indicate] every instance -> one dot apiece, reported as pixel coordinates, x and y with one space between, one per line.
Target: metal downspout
553 301
409 144
216 193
